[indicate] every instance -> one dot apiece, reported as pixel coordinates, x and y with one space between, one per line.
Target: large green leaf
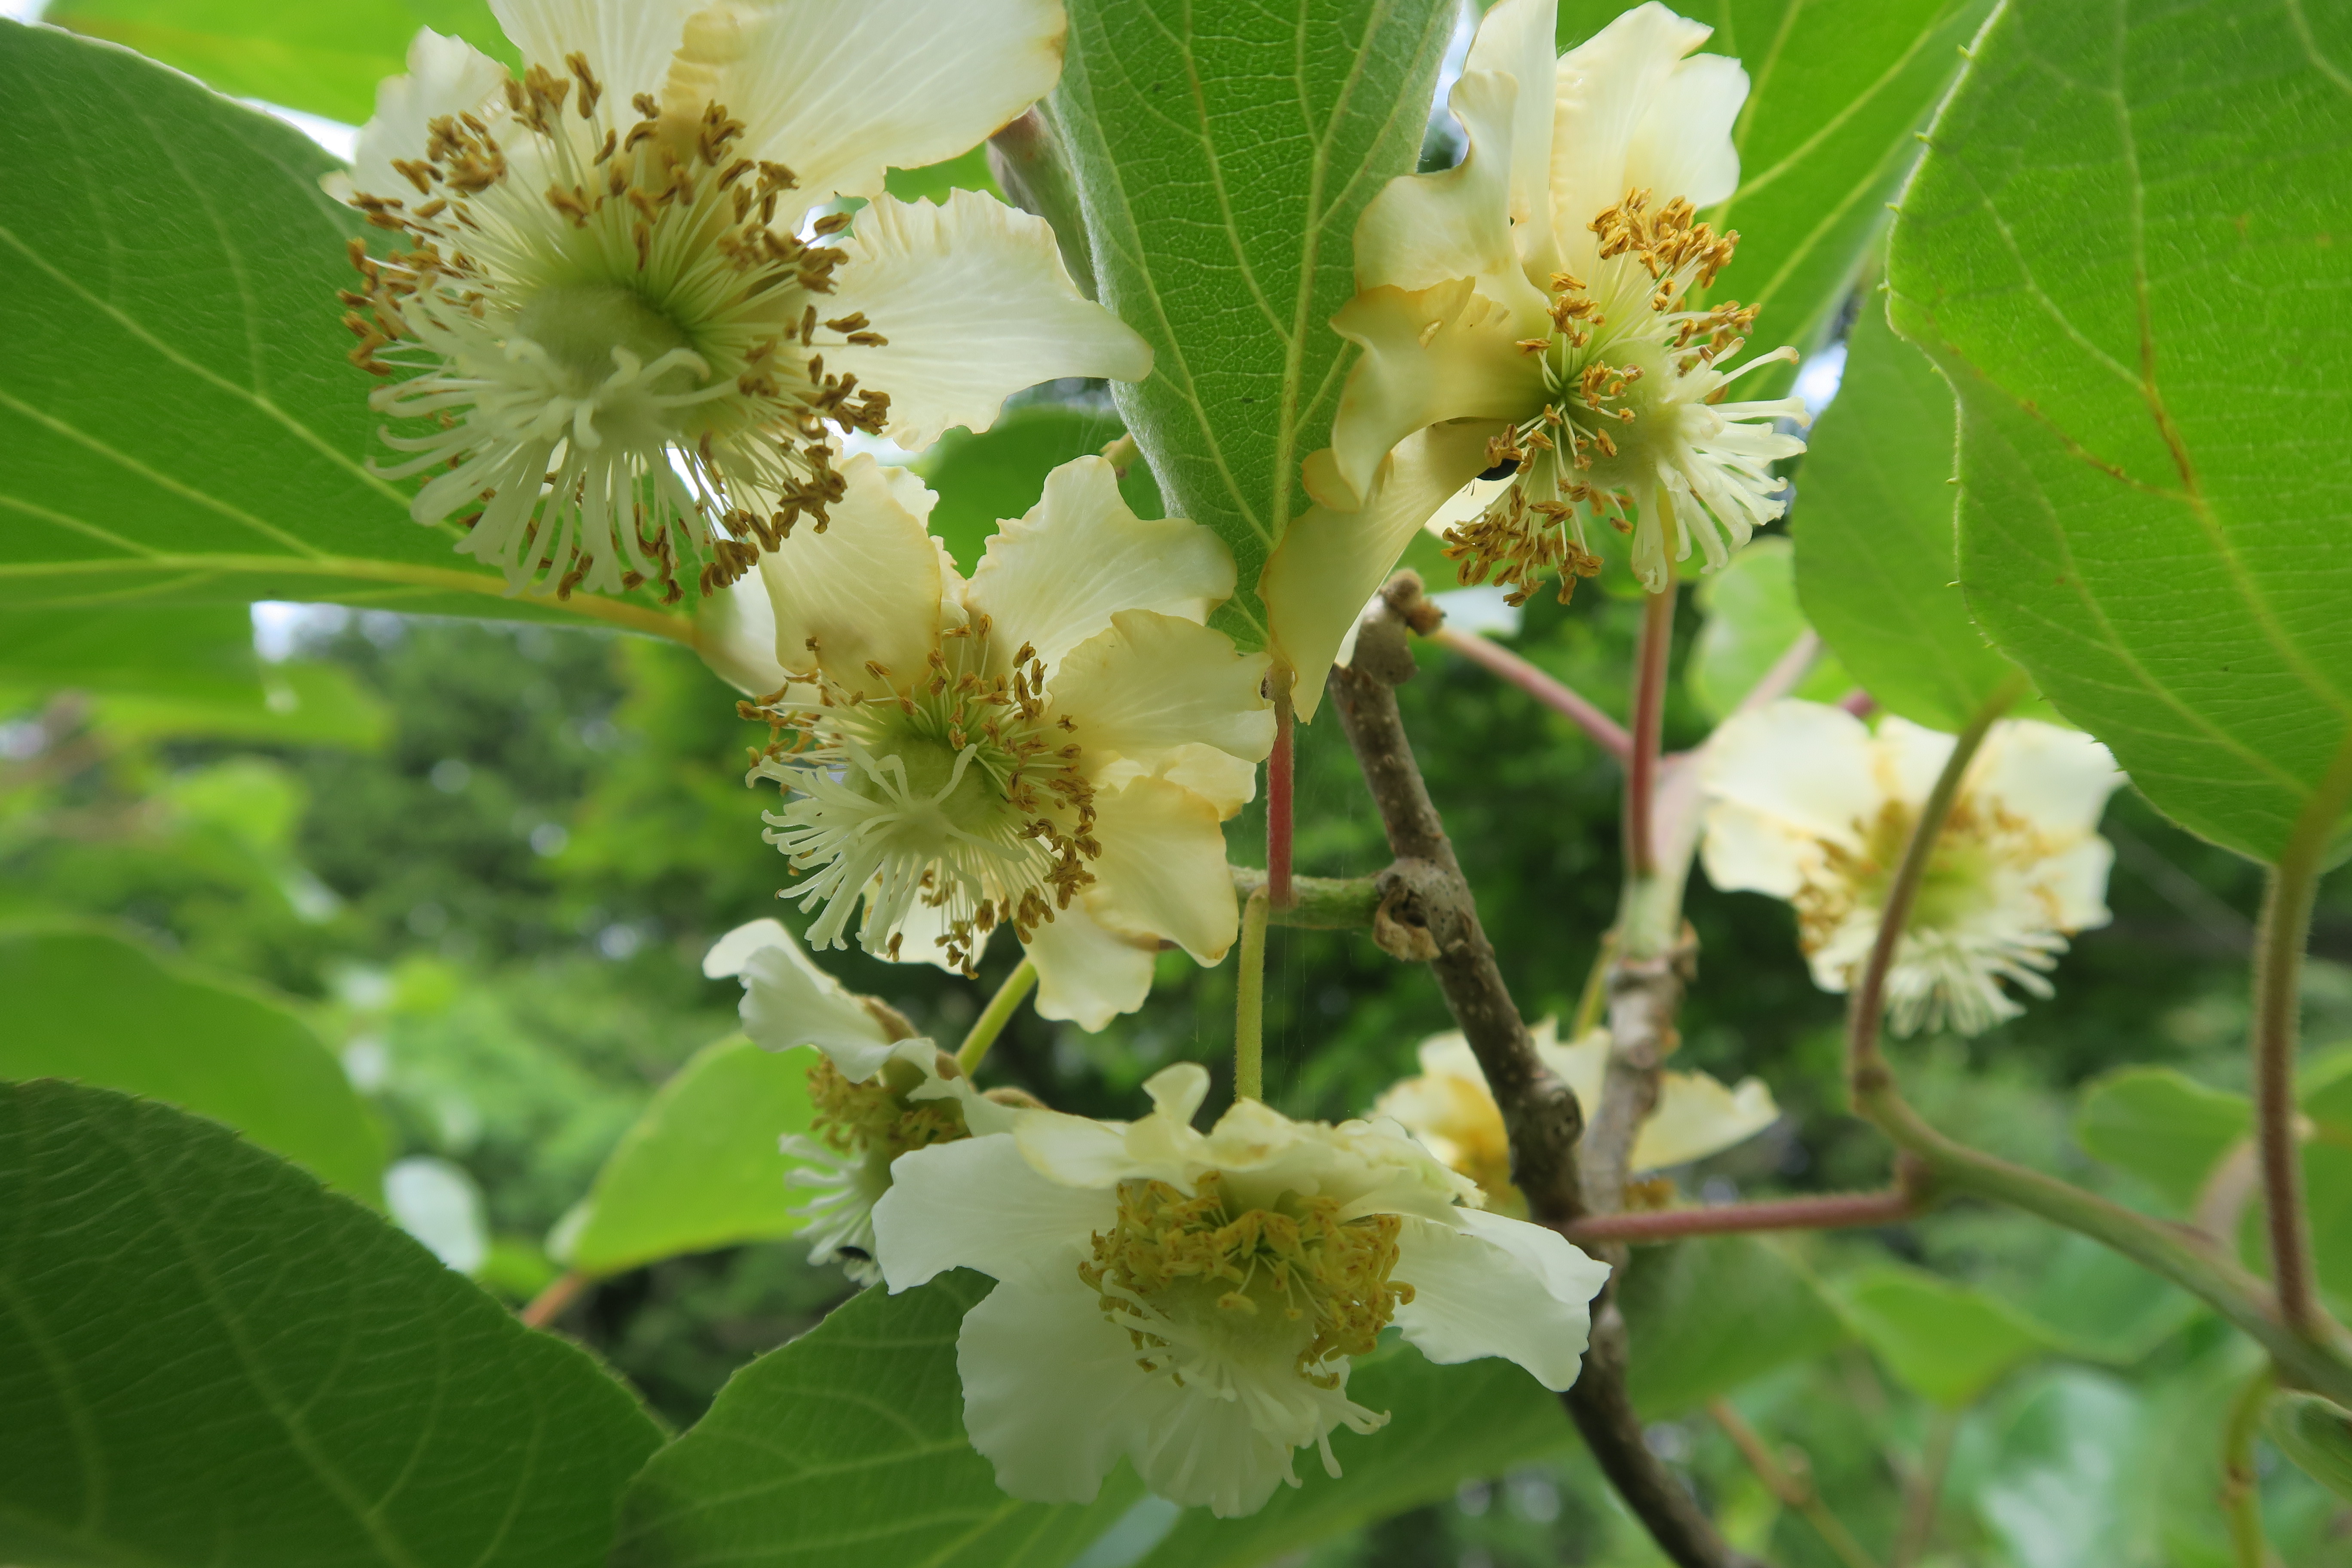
325 59
1673 1300
1877 557
180 421
2122 247
1447 1425
847 1446
1221 156
207 1359
1837 89
1946 1340
85 1005
700 1169
2162 1126
998 475
1752 619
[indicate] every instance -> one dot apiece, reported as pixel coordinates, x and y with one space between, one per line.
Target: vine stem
1280 772
1249 1002
1833 1211
2242 1494
1791 1481
547 1305
1649 721
995 1016
1867 1011
2278 990
1606 733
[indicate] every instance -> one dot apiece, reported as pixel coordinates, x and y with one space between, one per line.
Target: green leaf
1447 1425
934 181
181 424
1838 89
2096 1305
2162 1126
324 59
92 1007
2068 1488
998 475
1946 1341
208 1359
1222 158
202 653
1877 564
2122 249
2317 1434
847 1446
1672 1298
700 1169
294 704
1752 619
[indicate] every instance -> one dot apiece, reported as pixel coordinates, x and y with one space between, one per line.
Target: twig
1606 733
1791 1481
1427 892
995 1016
1316 903
1923 1491
1832 1211
547 1305
1249 1003
1787 670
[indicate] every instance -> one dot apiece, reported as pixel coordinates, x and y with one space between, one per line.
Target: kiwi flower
1191 1302
1050 746
1809 806
619 332
1532 314
878 1090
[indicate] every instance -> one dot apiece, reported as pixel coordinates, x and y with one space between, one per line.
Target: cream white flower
1191 1302
1450 1108
1535 302
879 1090
1050 746
623 331
1809 806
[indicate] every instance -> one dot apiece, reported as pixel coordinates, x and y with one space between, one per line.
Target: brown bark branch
1830 1211
1426 891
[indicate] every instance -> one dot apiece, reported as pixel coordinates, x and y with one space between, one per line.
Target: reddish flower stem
1605 732
1280 773
1649 721
1835 1211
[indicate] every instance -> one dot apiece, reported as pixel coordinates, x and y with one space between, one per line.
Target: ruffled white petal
1087 974
1495 1287
1053 1438
629 45
1905 759
1698 1116
1075 1151
787 1001
1162 871
976 1204
2059 778
1331 562
2074 882
1517 39
838 92
445 76
1746 851
1152 683
1629 103
975 305
1205 1452
1053 578
735 632
865 589
1426 229
1807 764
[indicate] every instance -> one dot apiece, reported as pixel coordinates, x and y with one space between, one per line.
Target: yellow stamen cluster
1300 1262
864 1118
1978 835
1568 459
655 240
967 739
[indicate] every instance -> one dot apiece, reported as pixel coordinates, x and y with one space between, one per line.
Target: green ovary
580 324
975 805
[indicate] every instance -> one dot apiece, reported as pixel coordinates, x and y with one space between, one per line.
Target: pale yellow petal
1087 975
2059 780
735 632
1905 759
1329 563
1443 353
866 589
2075 882
1152 683
1517 38
629 45
837 93
1746 851
975 305
1053 579
1810 765
1423 229
1162 872
1497 1286
1698 1116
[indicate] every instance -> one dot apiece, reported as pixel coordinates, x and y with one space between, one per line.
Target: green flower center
581 324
